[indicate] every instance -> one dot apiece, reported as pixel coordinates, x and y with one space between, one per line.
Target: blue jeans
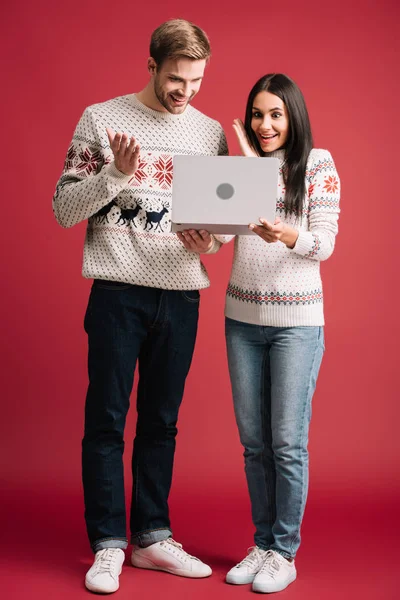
273 373
125 324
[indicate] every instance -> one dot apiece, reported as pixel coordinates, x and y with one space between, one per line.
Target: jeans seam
263 420
302 435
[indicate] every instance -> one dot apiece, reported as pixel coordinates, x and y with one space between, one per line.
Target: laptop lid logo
225 191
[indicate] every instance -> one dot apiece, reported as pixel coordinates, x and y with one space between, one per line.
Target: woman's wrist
289 237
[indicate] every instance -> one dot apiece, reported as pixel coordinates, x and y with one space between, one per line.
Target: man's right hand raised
125 150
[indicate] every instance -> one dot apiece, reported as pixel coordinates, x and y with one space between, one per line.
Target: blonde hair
179 38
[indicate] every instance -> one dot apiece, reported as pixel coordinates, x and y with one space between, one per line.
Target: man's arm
91 178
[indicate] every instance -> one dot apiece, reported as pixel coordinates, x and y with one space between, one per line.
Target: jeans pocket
191 296
103 284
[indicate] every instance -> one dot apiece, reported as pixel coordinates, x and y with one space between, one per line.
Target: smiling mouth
178 99
268 138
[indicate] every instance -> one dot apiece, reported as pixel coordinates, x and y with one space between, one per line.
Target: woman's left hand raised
276 232
245 146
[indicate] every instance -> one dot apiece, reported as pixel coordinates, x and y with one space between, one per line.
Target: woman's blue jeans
273 373
157 328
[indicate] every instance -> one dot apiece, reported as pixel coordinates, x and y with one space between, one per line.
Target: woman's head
277 118
291 121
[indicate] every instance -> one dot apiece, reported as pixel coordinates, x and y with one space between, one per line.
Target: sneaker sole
267 588
95 589
239 580
142 563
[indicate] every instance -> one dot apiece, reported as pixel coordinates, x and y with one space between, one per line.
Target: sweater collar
276 154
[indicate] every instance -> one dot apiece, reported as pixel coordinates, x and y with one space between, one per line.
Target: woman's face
270 121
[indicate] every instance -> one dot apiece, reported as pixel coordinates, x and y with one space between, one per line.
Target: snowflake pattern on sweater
128 235
273 285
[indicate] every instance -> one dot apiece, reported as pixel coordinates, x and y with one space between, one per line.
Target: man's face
176 82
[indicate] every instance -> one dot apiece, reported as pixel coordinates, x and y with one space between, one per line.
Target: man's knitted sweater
273 285
128 235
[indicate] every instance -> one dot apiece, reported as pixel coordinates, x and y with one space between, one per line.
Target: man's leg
164 363
115 332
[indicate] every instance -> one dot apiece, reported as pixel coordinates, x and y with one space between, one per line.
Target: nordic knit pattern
273 285
128 236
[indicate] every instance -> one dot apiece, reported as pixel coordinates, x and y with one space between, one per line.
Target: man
144 300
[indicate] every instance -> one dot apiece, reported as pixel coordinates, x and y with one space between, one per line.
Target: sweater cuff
112 171
302 245
215 246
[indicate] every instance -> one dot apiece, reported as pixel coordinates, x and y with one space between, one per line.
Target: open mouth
265 139
178 100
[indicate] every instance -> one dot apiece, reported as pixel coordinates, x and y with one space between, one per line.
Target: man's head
179 52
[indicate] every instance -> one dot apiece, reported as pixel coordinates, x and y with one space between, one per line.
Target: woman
274 326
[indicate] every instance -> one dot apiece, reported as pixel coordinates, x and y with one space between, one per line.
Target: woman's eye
257 115
276 115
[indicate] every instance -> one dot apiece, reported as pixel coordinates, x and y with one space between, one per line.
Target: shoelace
105 561
253 558
271 565
179 549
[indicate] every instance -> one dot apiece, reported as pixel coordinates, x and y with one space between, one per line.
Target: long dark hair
299 142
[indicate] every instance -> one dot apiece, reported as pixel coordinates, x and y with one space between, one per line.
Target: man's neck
149 99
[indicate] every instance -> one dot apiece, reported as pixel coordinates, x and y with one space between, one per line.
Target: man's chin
176 110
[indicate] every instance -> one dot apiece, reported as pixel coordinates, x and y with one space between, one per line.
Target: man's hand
243 140
277 232
125 150
196 241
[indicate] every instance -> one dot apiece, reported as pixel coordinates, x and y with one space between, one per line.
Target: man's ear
151 65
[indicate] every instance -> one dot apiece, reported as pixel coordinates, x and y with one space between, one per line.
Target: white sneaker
103 575
247 569
275 574
169 556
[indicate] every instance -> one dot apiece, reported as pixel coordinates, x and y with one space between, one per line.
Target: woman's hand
196 241
277 232
243 140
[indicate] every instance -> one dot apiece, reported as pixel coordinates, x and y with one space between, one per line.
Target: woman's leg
295 359
248 367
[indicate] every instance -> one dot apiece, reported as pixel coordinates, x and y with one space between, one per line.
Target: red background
59 59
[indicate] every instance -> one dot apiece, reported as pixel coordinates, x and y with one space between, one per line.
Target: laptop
223 194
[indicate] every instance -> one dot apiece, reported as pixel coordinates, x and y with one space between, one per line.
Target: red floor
348 550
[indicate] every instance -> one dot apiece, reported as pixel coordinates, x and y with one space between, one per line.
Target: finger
190 240
196 236
130 148
134 160
183 240
133 150
277 220
124 143
206 236
115 145
266 224
261 232
110 135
